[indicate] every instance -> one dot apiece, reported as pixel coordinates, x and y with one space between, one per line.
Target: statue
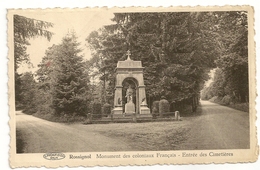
129 94
119 101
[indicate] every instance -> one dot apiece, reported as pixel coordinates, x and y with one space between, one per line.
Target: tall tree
24 29
176 49
231 78
69 81
234 61
28 94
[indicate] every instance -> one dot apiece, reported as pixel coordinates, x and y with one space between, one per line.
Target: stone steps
129 119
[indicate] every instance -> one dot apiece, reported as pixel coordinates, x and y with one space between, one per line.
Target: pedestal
130 108
144 109
118 110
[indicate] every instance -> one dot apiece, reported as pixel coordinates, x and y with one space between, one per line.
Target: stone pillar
177 115
142 98
118 100
137 111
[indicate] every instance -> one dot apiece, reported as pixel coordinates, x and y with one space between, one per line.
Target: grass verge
149 136
238 106
61 119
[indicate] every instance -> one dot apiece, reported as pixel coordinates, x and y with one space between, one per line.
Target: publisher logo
53 156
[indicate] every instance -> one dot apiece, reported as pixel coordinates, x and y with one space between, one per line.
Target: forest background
178 50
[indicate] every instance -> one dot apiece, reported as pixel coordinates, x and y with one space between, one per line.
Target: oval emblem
53 156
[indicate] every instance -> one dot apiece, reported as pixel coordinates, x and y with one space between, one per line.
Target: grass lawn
146 136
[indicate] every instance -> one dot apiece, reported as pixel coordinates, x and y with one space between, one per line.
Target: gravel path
41 136
218 127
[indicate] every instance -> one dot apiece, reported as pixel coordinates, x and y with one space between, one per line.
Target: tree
176 49
234 61
24 29
28 94
231 77
69 82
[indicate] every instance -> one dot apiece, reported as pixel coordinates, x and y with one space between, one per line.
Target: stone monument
130 106
133 71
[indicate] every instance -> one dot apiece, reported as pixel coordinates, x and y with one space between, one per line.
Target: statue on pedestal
130 106
129 94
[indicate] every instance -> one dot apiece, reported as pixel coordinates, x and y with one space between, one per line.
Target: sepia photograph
154 84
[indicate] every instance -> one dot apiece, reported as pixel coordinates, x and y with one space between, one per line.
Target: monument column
143 105
118 100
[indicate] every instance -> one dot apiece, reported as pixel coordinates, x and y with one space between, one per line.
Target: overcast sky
82 22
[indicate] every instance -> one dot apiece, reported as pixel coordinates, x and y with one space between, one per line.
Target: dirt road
218 127
41 136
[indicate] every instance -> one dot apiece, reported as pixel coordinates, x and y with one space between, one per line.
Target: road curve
219 127
41 136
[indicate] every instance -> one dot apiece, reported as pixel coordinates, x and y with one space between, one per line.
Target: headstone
177 115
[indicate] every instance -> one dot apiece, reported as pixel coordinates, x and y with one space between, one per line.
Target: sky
83 23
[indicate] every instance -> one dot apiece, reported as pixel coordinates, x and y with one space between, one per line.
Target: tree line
230 83
61 85
177 50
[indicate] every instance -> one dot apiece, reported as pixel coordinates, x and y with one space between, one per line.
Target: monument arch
130 70
130 84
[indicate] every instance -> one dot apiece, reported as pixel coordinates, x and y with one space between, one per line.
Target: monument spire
128 53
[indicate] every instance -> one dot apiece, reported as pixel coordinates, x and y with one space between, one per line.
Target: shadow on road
19 142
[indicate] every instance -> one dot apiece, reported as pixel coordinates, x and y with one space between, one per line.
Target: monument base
118 110
144 110
130 108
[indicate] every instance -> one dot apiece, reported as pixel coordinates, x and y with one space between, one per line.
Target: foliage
230 102
96 110
155 107
28 95
164 106
226 100
24 29
63 76
176 49
231 77
106 109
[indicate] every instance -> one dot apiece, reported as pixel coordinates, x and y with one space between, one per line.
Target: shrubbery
164 106
230 102
226 100
96 110
106 109
155 108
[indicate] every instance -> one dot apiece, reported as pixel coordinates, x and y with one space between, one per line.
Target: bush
226 100
155 108
164 106
29 110
96 110
106 109
241 106
215 99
